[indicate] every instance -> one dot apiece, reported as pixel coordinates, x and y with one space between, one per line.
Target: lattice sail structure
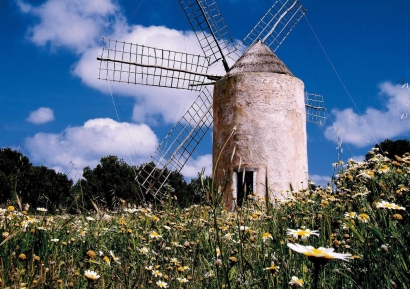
139 64
315 108
276 24
210 30
178 146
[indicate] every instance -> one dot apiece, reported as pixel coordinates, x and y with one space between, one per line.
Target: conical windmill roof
259 58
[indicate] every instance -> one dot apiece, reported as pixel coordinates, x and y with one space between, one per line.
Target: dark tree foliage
199 189
180 188
5 188
110 184
13 166
182 193
46 188
12 161
175 188
390 148
149 170
38 186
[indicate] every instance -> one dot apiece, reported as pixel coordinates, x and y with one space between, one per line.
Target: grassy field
364 218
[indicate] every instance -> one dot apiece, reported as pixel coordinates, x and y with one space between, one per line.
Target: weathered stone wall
268 111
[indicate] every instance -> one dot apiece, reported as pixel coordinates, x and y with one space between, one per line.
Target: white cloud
154 36
78 26
74 24
86 145
319 180
41 115
195 166
153 104
374 125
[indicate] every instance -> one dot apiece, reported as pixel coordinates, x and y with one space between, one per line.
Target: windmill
139 64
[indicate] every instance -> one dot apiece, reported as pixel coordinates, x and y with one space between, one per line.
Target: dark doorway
244 186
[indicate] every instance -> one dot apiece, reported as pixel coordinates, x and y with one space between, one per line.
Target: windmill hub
262 98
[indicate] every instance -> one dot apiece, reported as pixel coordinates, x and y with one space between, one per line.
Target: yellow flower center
316 252
303 233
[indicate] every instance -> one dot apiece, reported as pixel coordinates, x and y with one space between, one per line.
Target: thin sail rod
212 77
277 22
224 62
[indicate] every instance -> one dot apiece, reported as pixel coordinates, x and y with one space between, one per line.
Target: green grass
208 247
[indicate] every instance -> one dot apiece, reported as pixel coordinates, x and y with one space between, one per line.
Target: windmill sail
276 24
315 108
139 64
178 146
210 30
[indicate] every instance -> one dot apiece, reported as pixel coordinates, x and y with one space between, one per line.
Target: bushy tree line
25 183
390 148
110 185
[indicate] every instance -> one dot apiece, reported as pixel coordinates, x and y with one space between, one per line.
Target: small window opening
244 186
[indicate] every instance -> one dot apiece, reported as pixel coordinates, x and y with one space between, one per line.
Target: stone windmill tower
258 95
262 99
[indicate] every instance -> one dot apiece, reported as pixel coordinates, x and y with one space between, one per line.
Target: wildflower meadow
351 234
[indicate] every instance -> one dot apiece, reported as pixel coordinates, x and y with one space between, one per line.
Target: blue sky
55 110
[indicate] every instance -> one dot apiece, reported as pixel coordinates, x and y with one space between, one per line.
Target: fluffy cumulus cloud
41 115
194 166
74 24
374 125
152 104
78 26
85 145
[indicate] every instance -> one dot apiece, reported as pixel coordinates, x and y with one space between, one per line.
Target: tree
46 188
180 189
200 188
174 187
21 182
13 166
391 148
108 184
5 189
